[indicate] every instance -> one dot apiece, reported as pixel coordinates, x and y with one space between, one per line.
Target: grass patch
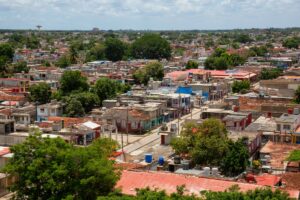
294 156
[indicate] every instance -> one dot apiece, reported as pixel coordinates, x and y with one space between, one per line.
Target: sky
148 14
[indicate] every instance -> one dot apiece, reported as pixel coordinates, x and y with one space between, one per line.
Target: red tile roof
6 111
11 98
68 121
130 180
291 180
43 68
4 150
267 180
278 152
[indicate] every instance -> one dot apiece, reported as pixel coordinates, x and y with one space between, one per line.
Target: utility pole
127 124
179 111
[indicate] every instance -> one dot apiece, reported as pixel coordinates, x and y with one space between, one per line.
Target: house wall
26 120
45 112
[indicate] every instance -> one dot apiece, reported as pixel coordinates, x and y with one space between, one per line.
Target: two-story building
15 84
287 123
54 108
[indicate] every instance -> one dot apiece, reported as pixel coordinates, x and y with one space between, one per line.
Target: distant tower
39 27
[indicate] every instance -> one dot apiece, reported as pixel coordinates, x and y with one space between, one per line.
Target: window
278 127
286 127
42 110
53 111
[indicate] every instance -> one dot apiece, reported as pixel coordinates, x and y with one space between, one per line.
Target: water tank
171 167
148 158
215 171
296 111
185 165
206 171
161 160
177 160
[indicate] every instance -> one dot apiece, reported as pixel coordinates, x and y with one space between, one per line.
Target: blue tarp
184 90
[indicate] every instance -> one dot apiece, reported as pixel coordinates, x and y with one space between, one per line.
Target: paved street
153 138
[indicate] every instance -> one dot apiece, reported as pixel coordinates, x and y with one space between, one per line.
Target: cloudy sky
149 14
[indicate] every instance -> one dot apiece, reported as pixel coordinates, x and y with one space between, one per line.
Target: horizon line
143 30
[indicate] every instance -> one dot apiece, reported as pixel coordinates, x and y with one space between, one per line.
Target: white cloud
89 10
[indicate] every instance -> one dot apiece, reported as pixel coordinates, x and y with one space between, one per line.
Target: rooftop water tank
161 160
148 158
215 171
185 165
177 159
206 171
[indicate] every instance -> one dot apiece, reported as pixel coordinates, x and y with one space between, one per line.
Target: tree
40 93
114 49
297 95
21 67
267 74
74 108
205 143
6 51
236 158
151 46
88 100
153 70
6 57
260 193
242 38
231 193
209 150
294 156
73 53
96 53
192 65
291 43
258 51
53 169
240 86
221 63
221 60
63 62
73 81
107 89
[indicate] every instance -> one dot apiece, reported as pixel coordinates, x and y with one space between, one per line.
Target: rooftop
278 152
262 124
287 118
267 180
131 180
